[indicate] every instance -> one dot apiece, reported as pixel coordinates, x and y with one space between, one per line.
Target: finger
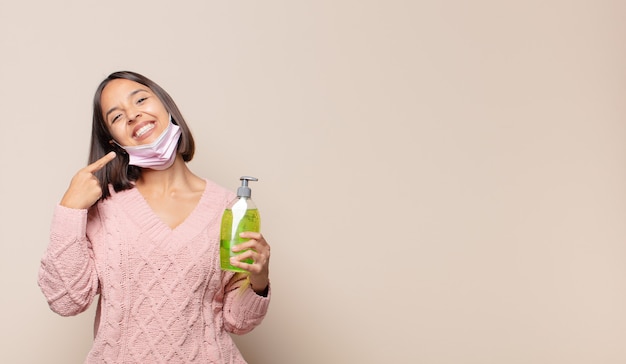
238 262
251 244
254 261
100 163
254 239
251 235
246 254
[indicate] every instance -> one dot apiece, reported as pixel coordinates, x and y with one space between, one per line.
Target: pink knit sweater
162 295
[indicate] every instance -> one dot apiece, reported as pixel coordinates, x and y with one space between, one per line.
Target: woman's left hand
258 250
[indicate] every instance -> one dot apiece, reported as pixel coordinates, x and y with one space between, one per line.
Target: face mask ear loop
113 143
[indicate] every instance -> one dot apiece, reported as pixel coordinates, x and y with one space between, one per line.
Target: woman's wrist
260 288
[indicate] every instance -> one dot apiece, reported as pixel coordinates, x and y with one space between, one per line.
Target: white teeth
144 129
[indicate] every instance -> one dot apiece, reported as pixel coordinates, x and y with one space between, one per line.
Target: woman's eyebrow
106 116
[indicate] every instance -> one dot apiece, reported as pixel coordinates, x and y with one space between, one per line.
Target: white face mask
159 154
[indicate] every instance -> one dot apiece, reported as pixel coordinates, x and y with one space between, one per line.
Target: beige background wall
441 181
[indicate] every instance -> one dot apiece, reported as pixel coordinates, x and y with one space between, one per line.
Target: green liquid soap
244 220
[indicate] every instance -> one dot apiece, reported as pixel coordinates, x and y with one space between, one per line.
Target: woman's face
132 112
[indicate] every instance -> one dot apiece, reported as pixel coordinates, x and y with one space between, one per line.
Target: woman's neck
178 177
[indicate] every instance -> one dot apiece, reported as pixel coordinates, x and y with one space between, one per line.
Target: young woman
137 229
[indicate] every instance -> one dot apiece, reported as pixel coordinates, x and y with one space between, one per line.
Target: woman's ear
116 147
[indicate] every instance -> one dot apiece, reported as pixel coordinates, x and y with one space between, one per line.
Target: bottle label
235 221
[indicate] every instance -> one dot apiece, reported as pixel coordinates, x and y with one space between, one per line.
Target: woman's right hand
85 189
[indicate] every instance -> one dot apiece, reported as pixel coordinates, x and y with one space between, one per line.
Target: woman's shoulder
114 195
216 190
115 198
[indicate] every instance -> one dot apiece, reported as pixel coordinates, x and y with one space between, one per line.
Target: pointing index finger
100 163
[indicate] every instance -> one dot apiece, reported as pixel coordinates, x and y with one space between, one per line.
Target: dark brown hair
118 173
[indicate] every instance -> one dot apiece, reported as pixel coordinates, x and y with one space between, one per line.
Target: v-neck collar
140 211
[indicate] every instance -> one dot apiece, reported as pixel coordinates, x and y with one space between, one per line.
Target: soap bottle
240 215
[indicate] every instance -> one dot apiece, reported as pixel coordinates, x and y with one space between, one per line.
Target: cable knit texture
162 295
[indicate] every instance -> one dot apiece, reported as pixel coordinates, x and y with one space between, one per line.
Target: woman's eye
142 99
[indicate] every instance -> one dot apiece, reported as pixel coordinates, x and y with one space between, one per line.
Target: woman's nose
133 115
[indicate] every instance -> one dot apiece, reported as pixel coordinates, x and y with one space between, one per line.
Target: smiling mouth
144 129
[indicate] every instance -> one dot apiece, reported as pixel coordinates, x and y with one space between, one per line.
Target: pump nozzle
244 190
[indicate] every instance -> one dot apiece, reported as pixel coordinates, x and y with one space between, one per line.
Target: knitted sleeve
243 308
67 274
